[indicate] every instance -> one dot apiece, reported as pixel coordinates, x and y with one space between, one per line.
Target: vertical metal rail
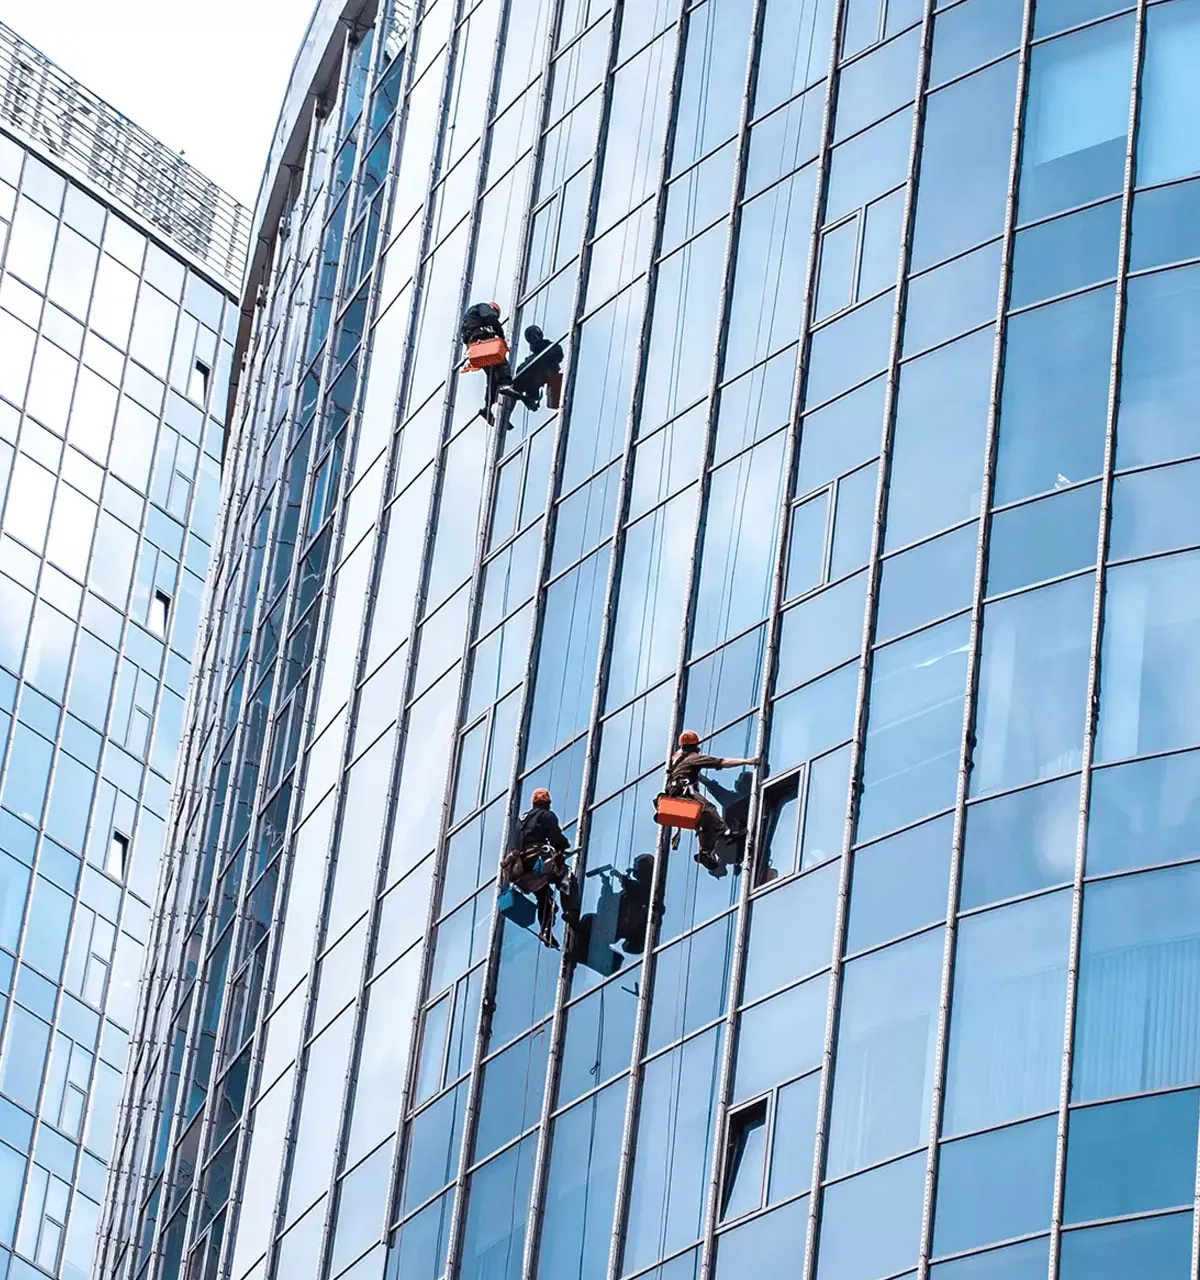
1093 702
941 1059
774 615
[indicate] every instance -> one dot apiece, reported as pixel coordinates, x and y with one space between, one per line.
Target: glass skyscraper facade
114 369
878 459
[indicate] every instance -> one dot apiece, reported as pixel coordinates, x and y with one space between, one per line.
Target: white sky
206 77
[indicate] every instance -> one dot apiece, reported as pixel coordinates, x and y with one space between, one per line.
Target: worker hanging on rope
682 806
538 867
482 333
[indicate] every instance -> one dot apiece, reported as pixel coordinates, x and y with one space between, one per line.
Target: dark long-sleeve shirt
686 767
540 826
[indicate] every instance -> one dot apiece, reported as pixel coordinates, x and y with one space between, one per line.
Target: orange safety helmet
689 739
540 796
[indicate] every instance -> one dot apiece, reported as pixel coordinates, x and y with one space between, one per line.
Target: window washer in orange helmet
683 779
539 865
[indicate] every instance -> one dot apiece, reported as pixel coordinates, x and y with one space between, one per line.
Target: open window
160 614
745 1160
779 829
118 854
198 381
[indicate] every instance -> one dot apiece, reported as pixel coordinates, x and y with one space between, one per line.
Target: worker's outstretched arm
728 763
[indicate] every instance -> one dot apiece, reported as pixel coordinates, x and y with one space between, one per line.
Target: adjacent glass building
117 270
879 458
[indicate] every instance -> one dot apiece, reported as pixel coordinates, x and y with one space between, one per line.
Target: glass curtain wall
114 372
876 460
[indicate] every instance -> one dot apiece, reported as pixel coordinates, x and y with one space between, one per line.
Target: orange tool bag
485 353
677 811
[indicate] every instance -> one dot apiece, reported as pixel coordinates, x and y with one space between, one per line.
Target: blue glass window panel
942 411
754 405
791 932
878 261
815 718
737 562
1148 688
28 774
835 280
794 1139
603 375
853 521
12 1174
825 808
1077 119
1129 1157
900 884
24 1057
772 1243
726 684
674 1145
965 155
513 1083
840 437
995 1186
929 582
887 1037
806 546
971 34
1033 686
1065 254
1007 1015
650 604
1167 143
49 924
1155 511
780 1039
1159 403
14 883
1020 843
1026 1261
868 164
1156 1249
786 139
565 683
766 307
525 984
795 49
497 1209
692 895
1144 813
633 741
822 632
876 85
953 298
582 1186
433 1148
1045 539
1054 405
1166 226
850 349
695 200
889 1199
419 1250
599 1038
585 519
1141 935
691 983
714 75
679 363
914 728
668 460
